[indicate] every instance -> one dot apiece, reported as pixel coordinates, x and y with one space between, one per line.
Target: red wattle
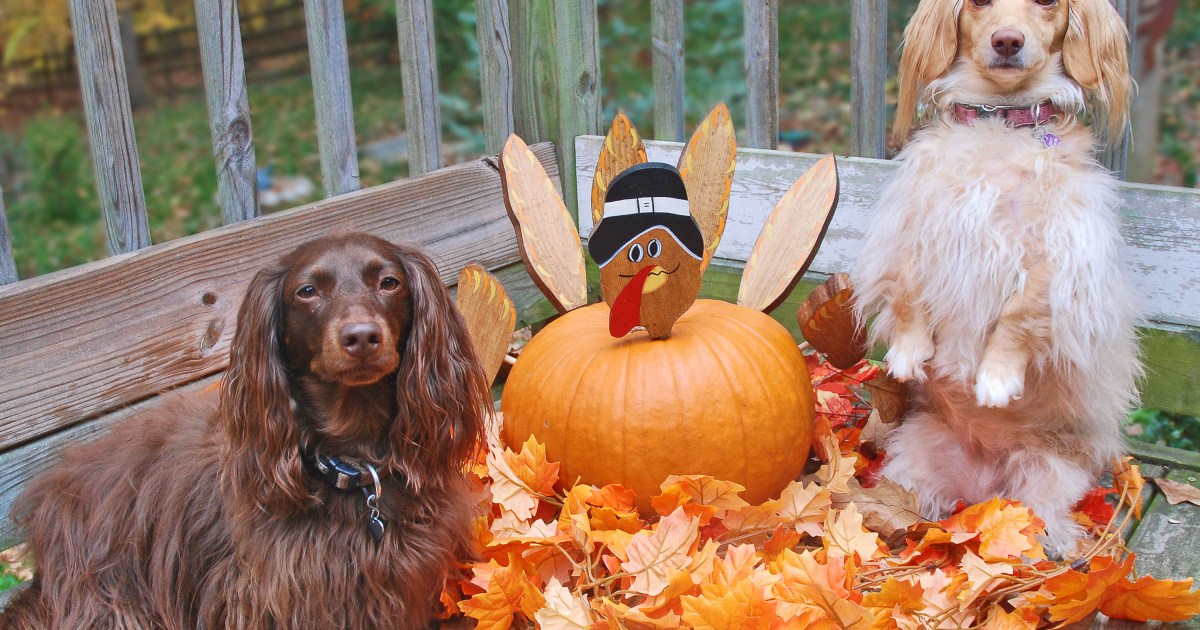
626 310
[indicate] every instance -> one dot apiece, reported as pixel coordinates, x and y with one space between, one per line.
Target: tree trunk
139 97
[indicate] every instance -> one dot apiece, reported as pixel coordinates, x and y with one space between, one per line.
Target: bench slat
85 341
110 124
330 63
220 40
1165 540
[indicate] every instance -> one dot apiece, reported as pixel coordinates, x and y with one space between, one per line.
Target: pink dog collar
1034 115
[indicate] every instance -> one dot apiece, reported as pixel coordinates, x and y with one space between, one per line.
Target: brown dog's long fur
202 514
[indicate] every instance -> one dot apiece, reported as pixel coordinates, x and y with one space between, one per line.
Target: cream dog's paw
907 355
997 384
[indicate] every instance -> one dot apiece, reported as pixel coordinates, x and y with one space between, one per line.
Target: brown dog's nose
360 339
1007 43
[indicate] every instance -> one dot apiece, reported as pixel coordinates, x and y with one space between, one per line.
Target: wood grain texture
546 235
110 124
706 165
827 322
495 72
868 78
790 237
578 84
418 73
623 148
535 70
82 342
762 72
224 68
666 33
330 64
8 266
490 315
1161 226
1165 532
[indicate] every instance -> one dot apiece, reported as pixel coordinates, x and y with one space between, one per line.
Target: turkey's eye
635 253
306 292
389 284
654 248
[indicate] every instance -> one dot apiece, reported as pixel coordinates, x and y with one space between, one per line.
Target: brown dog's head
351 342
1007 48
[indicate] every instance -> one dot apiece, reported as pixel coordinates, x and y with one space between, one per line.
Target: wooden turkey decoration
672 381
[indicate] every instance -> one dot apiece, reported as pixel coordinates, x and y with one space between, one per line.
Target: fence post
495 71
220 42
326 25
110 124
418 73
8 267
868 74
666 32
1115 156
578 86
762 72
535 70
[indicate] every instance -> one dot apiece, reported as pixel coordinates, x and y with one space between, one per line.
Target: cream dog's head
1015 52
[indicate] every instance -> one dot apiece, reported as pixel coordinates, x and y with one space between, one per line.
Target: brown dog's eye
389 284
981 3
306 292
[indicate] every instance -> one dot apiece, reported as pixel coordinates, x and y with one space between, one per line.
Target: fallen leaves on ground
841 548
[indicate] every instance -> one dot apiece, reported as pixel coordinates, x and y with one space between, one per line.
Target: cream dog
993 262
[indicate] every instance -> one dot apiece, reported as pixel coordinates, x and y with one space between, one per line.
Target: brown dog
261 509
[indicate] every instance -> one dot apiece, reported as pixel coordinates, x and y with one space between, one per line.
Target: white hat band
639 205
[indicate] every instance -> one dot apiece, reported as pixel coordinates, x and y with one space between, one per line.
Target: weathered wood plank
495 71
418 73
82 342
1115 157
535 70
110 124
1161 226
762 72
330 64
8 266
666 32
1172 458
868 75
1166 532
224 69
578 85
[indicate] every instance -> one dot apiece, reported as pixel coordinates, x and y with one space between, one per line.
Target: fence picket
8 267
666 32
495 71
578 84
1115 156
762 72
868 74
535 70
110 124
418 73
224 69
329 58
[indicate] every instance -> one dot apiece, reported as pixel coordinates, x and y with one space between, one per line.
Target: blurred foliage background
48 183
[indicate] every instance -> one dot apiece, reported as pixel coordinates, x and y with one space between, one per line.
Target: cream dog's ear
1096 55
930 44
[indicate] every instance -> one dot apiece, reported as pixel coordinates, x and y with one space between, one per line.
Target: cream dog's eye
1046 3
981 3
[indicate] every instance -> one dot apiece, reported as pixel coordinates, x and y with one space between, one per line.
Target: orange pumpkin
726 395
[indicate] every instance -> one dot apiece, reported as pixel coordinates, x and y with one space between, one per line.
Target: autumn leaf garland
812 558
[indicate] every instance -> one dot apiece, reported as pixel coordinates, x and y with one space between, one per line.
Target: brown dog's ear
1096 55
930 44
262 460
441 391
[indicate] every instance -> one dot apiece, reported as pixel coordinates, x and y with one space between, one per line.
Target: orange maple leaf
1149 599
1073 596
1128 480
743 606
896 600
508 591
652 555
532 468
613 496
1007 530
705 490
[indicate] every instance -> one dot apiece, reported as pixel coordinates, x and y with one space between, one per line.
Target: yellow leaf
653 555
742 607
836 475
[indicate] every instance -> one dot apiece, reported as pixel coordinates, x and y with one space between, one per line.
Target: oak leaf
1176 493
